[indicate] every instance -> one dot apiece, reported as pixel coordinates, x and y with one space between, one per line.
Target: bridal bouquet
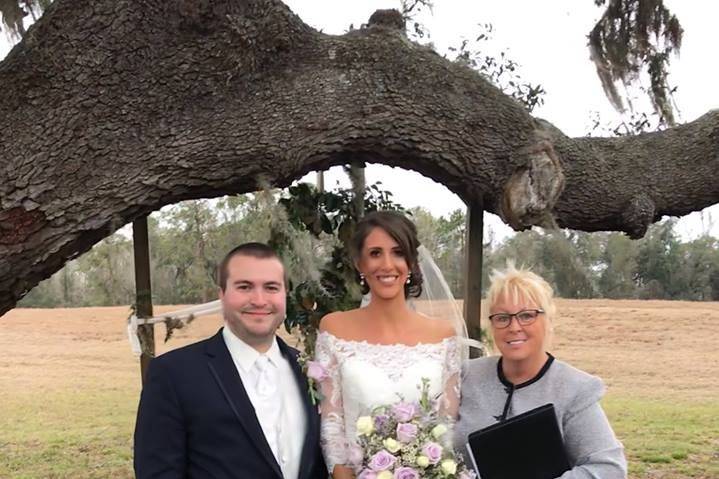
407 440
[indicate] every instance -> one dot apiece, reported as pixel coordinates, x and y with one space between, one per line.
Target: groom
234 405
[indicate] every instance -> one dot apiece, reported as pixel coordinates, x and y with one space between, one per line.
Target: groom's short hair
253 249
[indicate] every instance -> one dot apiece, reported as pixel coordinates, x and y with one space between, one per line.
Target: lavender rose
406 432
405 473
367 474
316 371
433 451
405 411
382 461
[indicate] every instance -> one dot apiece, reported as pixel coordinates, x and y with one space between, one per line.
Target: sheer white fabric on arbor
184 315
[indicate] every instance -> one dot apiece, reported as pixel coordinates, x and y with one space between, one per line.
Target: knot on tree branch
531 192
390 18
638 215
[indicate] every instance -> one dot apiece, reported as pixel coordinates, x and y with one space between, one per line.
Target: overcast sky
548 39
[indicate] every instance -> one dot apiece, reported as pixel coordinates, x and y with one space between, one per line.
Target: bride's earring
363 282
409 278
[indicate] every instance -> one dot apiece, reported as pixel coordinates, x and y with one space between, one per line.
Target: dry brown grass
663 349
657 350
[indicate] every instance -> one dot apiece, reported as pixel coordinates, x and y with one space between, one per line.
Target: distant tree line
587 265
187 241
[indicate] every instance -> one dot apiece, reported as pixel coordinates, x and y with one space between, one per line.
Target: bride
379 354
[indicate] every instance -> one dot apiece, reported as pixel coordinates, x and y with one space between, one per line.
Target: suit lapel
228 379
311 443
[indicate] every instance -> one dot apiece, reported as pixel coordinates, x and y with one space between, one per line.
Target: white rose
422 461
391 445
439 430
365 425
449 467
384 475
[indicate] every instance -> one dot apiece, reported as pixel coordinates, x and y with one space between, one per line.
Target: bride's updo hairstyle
403 231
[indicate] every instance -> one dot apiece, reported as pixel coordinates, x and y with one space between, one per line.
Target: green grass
67 434
87 433
678 438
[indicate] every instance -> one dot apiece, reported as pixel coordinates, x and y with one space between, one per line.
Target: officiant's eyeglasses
524 318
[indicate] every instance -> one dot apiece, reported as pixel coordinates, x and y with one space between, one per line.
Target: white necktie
268 406
266 377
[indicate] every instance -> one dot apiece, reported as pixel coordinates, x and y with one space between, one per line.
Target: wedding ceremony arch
111 110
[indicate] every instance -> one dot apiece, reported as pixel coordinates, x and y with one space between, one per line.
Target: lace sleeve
333 438
449 404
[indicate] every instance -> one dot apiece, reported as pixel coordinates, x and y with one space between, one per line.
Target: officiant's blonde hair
514 284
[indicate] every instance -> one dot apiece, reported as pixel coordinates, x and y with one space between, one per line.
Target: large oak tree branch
112 109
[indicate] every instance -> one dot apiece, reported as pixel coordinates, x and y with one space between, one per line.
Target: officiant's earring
363 282
409 278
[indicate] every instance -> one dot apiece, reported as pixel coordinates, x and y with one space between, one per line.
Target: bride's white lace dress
362 376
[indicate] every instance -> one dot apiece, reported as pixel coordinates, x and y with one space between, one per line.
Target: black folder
526 446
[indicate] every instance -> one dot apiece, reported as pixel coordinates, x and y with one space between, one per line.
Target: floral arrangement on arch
406 440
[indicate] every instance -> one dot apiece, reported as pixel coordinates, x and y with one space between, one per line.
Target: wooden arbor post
473 271
143 292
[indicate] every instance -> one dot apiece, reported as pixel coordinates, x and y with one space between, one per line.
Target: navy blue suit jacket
195 420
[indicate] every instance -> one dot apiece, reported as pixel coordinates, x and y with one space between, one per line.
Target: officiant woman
525 376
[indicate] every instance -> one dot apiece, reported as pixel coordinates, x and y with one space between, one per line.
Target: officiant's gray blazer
592 448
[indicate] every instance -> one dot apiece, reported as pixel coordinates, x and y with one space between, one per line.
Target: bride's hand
342 472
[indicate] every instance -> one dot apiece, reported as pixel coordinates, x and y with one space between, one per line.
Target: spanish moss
631 37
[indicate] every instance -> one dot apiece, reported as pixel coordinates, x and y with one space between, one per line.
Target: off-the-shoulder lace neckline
364 342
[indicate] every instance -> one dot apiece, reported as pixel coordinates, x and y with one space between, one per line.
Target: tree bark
112 109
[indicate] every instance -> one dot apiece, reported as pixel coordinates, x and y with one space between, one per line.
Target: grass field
69 385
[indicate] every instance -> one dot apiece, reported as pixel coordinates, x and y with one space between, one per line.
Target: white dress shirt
283 420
